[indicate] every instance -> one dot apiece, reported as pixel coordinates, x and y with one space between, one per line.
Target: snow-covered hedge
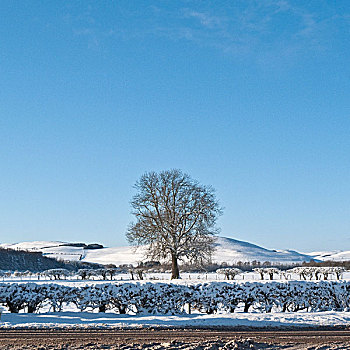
164 298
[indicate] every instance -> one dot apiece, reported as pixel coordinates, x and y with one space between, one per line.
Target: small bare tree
175 217
229 272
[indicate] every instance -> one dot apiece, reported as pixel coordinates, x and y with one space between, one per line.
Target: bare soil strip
173 339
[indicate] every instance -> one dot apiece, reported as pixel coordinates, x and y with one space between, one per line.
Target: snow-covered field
186 278
88 319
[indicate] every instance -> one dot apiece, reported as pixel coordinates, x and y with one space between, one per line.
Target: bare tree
175 217
56 273
229 272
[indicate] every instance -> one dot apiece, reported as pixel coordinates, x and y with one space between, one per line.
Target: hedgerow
164 298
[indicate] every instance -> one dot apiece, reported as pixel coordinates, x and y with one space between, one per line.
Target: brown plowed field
173 339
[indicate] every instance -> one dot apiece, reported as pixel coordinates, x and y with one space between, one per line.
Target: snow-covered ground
86 319
227 250
186 278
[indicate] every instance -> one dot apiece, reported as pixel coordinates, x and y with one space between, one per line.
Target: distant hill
232 250
332 256
228 250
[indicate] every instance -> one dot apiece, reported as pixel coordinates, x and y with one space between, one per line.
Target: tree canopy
175 217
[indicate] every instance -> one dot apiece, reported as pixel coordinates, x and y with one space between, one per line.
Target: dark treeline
244 266
35 262
328 263
248 266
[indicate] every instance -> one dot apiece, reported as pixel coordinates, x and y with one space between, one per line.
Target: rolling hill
332 255
228 250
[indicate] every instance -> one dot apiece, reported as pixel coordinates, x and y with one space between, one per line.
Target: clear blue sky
252 97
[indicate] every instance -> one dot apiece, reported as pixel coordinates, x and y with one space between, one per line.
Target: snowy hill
331 256
227 250
231 250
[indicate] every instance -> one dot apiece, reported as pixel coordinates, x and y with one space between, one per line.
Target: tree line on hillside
34 261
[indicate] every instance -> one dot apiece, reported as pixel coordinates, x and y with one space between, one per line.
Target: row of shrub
164 298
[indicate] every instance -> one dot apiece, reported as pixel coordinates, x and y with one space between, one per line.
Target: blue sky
249 96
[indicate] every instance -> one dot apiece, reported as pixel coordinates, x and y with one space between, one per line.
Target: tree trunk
12 308
246 307
31 309
175 274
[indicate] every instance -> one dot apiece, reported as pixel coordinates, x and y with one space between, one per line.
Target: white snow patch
88 319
